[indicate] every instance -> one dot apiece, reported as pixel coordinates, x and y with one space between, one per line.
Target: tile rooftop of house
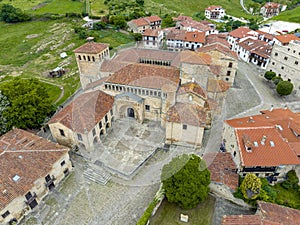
273 135
24 158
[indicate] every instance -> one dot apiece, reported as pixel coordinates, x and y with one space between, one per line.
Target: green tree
269 75
185 180
29 103
284 88
10 14
276 80
4 104
167 21
251 186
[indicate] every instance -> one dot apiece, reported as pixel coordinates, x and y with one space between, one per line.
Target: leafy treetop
185 180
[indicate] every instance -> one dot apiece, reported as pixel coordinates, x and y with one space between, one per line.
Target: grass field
169 214
289 16
32 49
189 8
48 6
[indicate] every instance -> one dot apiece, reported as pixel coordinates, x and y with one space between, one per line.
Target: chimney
263 140
251 120
271 109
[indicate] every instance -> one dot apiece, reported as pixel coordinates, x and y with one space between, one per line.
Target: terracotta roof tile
151 32
28 156
192 87
218 47
91 47
144 21
214 85
153 18
279 214
240 32
271 5
187 113
195 36
275 125
222 168
213 7
286 38
148 76
241 220
85 111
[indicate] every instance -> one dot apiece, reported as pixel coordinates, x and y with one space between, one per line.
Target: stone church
142 84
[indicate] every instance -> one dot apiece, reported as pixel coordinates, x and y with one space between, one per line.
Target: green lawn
290 15
189 8
47 6
169 214
24 6
60 7
98 8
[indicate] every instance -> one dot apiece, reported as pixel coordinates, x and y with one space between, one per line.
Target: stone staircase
97 175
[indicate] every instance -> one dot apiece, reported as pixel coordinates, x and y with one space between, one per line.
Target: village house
214 12
84 120
285 61
239 35
152 38
266 213
270 9
178 40
141 24
265 144
285 39
188 24
30 167
255 51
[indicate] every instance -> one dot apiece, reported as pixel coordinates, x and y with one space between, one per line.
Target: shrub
276 80
284 88
269 75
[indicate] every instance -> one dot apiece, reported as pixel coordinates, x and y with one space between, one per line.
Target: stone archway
130 112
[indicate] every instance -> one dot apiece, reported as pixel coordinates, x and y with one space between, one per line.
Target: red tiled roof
140 22
279 214
214 85
222 169
241 220
213 7
275 125
153 18
240 32
217 39
187 113
192 88
192 58
85 111
271 5
195 36
28 156
151 32
145 20
149 76
286 38
218 47
257 47
91 47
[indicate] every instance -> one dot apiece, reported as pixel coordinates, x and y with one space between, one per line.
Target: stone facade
89 58
285 62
